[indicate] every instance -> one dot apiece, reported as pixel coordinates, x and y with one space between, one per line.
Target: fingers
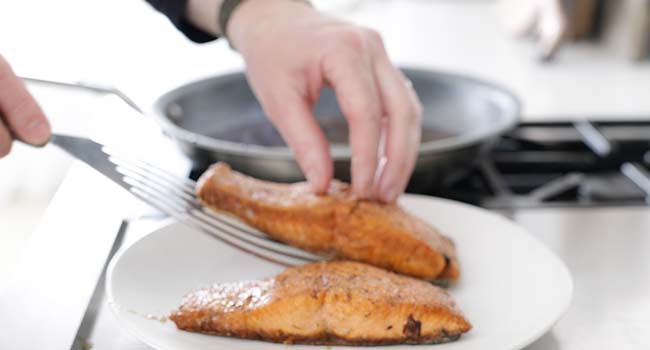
369 90
22 114
5 140
291 113
351 77
403 109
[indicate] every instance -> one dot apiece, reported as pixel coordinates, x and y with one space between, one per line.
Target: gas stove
572 185
561 164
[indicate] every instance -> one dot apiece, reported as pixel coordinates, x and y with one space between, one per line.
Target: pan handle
95 88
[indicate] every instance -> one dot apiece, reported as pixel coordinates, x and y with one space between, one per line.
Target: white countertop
606 251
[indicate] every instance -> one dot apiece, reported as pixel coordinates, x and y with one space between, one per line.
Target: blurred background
565 59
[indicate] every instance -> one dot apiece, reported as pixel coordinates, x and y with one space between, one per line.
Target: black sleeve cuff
175 11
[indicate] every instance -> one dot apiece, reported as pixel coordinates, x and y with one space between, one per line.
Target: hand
21 115
291 52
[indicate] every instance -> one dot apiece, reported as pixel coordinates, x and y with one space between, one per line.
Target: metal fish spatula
175 196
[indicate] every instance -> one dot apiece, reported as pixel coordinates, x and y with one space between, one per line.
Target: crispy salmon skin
326 303
335 225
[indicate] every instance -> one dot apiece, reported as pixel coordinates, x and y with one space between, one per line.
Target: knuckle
299 150
364 117
303 151
367 111
418 109
374 37
411 112
352 39
306 145
358 39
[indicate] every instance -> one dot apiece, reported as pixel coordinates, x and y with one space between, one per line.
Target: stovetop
575 164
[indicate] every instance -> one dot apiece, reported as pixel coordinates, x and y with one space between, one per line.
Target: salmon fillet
326 303
335 225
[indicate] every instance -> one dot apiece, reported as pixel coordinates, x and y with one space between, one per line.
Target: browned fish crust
336 225
326 303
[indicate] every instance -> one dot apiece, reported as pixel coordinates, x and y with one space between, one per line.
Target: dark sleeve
175 11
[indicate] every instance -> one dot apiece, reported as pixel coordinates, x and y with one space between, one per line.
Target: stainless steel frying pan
219 119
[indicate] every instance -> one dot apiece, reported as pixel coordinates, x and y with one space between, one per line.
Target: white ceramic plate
512 289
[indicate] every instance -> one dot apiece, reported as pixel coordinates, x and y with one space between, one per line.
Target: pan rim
509 118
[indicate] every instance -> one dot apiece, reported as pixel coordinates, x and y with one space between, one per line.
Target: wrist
253 19
203 14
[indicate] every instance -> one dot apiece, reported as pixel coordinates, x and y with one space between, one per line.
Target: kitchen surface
574 174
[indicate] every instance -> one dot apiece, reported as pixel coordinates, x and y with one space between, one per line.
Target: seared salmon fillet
328 303
335 225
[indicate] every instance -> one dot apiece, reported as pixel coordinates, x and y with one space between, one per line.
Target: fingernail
313 177
390 196
313 183
388 192
361 190
38 131
361 181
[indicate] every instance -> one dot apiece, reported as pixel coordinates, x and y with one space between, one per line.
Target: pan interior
225 109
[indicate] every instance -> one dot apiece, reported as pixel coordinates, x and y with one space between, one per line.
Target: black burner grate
562 164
